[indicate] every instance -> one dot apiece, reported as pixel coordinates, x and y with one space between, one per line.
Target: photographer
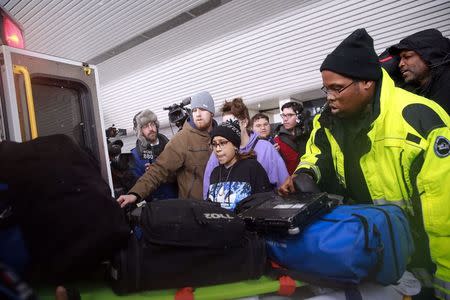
185 156
122 177
149 145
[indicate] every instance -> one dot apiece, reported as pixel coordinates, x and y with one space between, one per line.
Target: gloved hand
305 183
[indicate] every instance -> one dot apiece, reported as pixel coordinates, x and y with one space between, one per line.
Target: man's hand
287 187
126 199
276 146
305 183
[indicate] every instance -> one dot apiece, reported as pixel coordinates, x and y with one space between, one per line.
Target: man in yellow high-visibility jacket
375 143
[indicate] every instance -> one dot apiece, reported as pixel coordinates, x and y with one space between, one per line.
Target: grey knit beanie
203 100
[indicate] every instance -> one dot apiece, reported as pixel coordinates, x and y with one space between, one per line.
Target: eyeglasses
286 116
334 90
219 144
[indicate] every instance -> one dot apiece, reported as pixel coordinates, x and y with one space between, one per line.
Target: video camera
178 113
115 146
112 132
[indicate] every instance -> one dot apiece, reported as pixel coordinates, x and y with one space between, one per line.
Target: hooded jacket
184 156
434 49
266 155
404 159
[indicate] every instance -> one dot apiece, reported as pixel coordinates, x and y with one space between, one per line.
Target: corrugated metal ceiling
85 29
260 50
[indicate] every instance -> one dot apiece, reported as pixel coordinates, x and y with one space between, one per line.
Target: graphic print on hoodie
229 186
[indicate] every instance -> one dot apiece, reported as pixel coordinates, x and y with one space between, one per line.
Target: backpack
184 242
69 220
349 245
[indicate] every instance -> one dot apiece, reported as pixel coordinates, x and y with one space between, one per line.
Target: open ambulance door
43 95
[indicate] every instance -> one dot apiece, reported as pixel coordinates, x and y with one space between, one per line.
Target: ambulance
42 95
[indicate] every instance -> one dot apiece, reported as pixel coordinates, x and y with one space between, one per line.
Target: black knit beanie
229 130
355 57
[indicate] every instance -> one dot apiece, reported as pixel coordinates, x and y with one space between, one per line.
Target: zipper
403 175
363 221
388 219
192 184
366 230
329 220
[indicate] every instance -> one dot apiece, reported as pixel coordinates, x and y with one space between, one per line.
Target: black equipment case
269 213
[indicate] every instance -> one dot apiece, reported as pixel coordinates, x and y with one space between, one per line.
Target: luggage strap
186 293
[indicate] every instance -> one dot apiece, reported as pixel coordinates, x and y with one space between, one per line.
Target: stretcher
248 288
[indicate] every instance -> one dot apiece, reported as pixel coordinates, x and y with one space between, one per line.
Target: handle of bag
199 215
186 293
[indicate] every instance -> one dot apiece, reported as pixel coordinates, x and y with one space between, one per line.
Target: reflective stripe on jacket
408 164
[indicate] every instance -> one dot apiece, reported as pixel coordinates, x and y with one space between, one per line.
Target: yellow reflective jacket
408 164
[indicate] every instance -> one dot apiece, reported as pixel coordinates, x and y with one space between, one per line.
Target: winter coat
149 155
434 49
291 147
402 155
186 156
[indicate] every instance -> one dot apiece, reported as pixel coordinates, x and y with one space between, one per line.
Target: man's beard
202 126
145 141
152 137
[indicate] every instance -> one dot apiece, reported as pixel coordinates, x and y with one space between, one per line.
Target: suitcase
269 213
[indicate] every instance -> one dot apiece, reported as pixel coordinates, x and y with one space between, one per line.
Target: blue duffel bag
350 244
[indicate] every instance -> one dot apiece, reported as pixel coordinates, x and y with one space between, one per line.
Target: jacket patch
442 147
422 118
413 138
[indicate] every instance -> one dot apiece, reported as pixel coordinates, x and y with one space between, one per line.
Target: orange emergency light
11 31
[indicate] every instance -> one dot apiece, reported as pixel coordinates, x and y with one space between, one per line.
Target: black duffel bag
178 243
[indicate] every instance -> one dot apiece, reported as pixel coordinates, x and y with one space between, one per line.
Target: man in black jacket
425 65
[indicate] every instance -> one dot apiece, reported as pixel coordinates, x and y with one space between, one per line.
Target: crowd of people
377 140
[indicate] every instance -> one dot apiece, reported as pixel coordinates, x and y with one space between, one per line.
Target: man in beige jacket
185 156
